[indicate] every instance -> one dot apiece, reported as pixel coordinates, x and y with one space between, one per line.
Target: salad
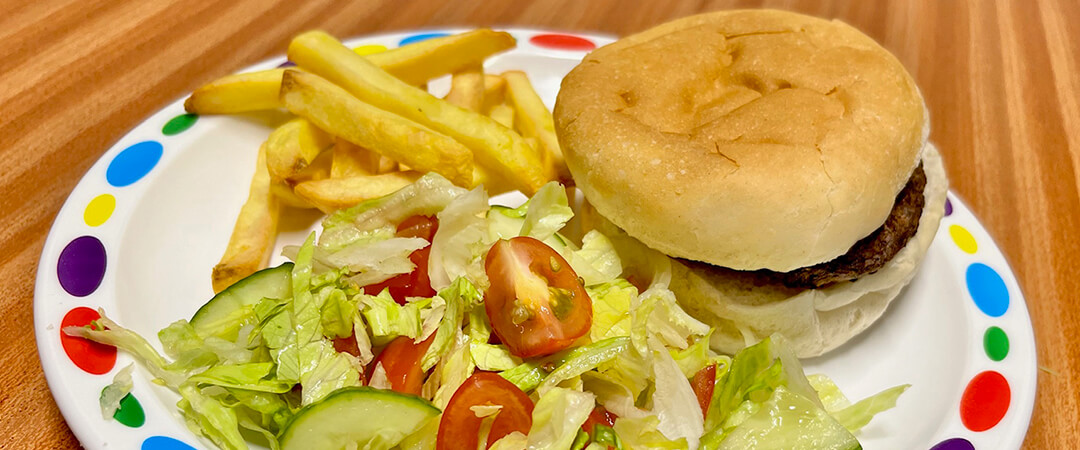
429 319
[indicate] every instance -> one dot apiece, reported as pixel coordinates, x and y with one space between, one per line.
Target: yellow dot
963 239
369 49
99 209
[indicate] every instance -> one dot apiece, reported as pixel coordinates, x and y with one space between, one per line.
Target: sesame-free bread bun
814 321
744 139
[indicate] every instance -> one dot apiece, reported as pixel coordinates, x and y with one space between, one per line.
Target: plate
142 229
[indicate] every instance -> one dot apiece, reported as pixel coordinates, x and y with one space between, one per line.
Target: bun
744 139
814 321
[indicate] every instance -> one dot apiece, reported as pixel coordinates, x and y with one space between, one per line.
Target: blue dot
164 443
987 289
421 37
133 163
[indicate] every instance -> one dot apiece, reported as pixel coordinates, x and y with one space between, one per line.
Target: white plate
140 233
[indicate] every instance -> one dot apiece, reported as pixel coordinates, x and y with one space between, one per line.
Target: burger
778 162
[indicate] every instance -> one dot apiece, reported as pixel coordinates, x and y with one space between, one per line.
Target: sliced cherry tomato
459 428
536 303
599 416
415 283
401 361
703 384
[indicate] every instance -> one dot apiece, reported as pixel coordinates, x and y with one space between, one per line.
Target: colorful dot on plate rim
179 124
948 207
287 63
985 401
81 266
130 412
99 210
963 239
987 289
90 356
164 443
954 444
996 343
562 42
369 49
133 163
421 37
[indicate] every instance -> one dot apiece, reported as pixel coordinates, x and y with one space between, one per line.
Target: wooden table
1002 80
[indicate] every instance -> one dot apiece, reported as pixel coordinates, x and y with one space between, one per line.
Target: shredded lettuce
459 243
116 391
105 331
546 212
698 355
209 417
427 196
597 261
585 358
771 426
252 377
854 417
458 296
492 357
387 319
642 434
558 416
674 401
611 309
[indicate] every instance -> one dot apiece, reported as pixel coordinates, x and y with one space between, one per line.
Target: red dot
985 401
562 42
90 356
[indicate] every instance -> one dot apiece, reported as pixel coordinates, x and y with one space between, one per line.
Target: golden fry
253 235
287 197
332 194
293 147
432 58
504 114
494 86
350 160
333 109
467 89
532 119
237 93
495 147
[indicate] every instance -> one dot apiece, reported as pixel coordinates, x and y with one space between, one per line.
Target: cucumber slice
357 415
218 317
789 420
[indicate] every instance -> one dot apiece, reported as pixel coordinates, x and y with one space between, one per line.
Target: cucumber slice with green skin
357 415
218 317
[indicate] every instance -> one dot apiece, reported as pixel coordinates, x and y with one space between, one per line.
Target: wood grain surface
1001 78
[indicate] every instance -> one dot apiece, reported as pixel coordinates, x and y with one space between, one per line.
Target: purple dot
954 444
287 63
81 266
948 206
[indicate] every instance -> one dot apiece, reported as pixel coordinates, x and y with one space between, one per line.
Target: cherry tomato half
703 384
415 283
459 428
401 361
536 303
598 416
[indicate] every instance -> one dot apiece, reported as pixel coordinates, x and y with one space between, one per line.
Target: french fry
293 147
415 63
498 149
350 160
332 194
287 197
432 58
237 93
254 233
333 109
494 86
532 119
467 89
504 114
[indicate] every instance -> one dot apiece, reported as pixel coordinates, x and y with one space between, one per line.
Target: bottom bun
814 321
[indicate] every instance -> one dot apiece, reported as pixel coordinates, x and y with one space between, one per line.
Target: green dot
130 412
178 124
996 343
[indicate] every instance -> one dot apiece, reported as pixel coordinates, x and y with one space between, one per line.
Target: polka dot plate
141 231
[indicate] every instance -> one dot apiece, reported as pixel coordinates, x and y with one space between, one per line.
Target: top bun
744 139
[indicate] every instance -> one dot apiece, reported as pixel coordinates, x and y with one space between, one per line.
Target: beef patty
867 255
